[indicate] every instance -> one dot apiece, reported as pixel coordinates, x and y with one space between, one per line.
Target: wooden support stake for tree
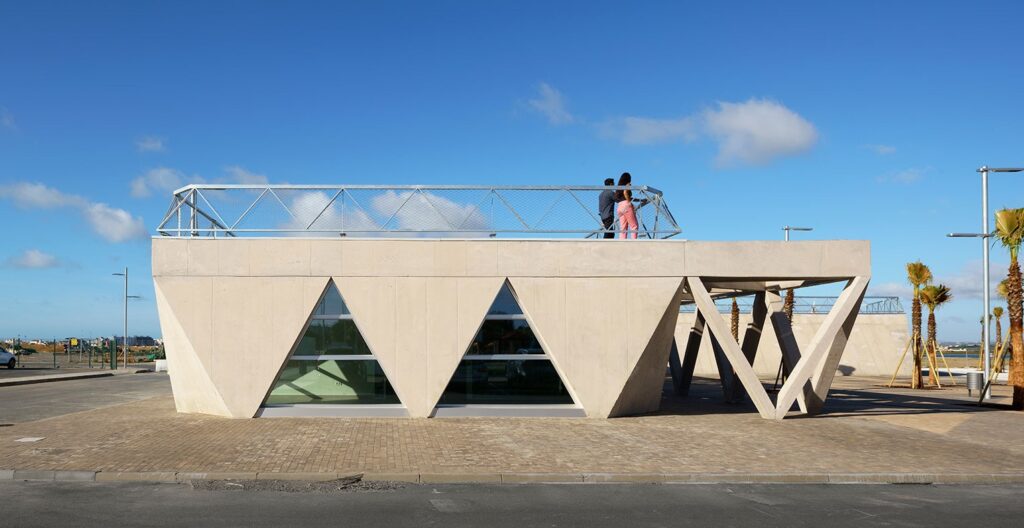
900 364
943 357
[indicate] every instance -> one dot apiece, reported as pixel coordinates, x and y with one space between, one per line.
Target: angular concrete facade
605 313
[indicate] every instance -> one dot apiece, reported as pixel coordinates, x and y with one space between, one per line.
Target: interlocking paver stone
865 430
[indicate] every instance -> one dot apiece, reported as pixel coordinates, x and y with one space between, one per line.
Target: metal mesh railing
372 210
811 305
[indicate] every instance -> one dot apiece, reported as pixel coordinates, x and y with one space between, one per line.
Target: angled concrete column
193 389
751 340
643 389
689 361
418 328
783 329
826 372
726 375
731 349
594 347
824 350
240 331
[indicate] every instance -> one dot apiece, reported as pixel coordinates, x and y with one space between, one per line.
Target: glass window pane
505 303
505 337
341 338
335 382
516 382
332 303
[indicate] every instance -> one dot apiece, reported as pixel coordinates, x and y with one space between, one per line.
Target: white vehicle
7 358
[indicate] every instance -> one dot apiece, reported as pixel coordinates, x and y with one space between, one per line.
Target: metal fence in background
811 305
402 211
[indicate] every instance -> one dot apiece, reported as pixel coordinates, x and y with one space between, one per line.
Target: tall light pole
126 297
984 236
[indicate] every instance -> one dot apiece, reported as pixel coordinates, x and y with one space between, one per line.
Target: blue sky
865 120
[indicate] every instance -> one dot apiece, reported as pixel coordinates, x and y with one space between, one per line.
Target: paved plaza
866 429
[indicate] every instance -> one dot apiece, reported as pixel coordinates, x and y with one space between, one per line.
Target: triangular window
505 364
331 363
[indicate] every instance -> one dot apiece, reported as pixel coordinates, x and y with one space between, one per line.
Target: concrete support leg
822 380
731 350
787 341
726 374
751 340
689 360
824 352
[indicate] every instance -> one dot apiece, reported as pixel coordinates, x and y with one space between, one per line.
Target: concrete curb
526 478
49 378
30 380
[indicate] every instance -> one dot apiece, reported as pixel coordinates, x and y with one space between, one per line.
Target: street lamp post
787 229
984 236
126 297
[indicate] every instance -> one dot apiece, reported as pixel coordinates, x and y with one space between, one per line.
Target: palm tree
735 313
933 297
981 345
787 306
919 275
1003 290
1010 232
997 312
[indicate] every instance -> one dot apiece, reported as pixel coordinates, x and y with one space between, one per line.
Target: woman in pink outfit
627 215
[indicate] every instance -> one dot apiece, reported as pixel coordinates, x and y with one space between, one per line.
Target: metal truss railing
812 305
395 211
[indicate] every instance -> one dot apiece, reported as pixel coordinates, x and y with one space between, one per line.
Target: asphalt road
26 403
499 506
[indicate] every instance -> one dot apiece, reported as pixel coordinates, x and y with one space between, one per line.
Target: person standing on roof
606 208
627 214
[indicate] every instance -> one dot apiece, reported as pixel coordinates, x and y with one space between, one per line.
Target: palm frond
1010 229
934 296
918 274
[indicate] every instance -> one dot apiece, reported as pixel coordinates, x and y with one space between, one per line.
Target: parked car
7 358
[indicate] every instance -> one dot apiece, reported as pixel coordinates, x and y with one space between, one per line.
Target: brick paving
865 429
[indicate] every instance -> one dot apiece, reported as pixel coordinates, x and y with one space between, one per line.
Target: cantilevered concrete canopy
234 312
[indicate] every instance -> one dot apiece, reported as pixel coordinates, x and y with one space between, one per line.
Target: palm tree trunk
735 320
1016 330
787 305
915 318
933 374
999 334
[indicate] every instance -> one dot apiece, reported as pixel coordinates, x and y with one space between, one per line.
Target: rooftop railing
812 305
211 210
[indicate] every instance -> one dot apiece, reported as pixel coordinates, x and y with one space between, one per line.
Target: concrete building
415 326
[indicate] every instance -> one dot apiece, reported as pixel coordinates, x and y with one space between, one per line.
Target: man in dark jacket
606 207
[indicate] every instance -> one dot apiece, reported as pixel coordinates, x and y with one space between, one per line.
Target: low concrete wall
873 350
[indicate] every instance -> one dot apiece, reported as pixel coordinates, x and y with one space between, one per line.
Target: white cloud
25 195
967 283
150 144
550 103
7 120
645 130
757 131
408 211
881 149
429 212
33 259
240 175
754 132
160 179
891 289
903 177
113 224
